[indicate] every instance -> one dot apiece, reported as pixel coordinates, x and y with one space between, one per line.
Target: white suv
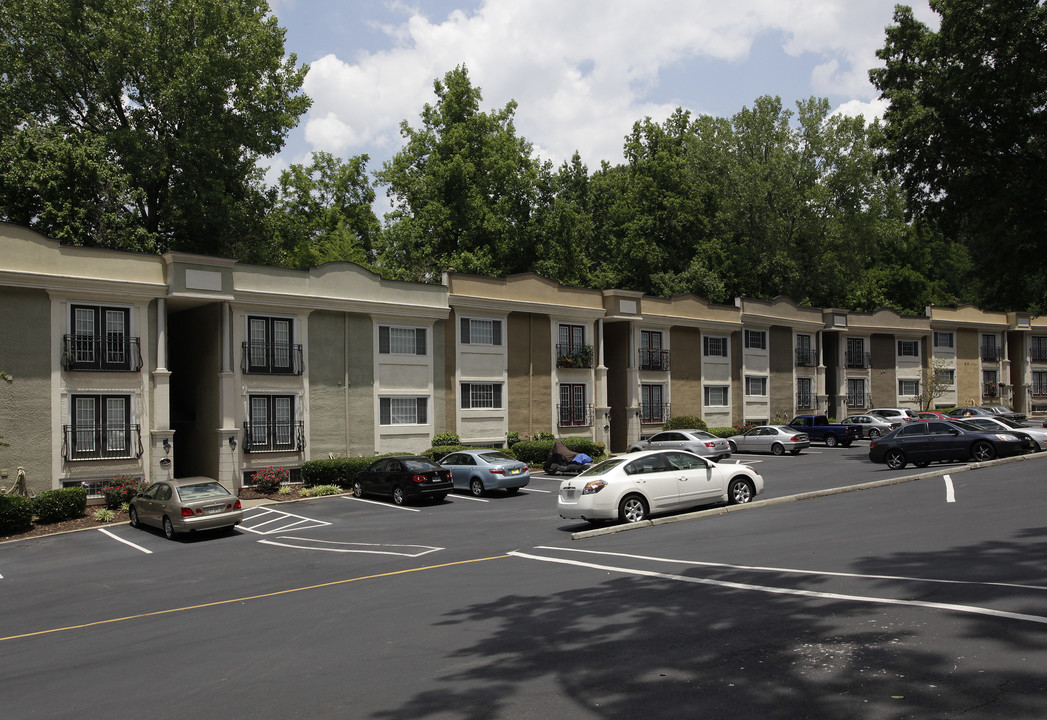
895 414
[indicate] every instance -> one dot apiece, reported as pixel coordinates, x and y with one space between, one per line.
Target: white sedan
631 487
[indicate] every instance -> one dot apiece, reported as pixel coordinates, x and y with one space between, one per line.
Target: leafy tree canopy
966 130
137 123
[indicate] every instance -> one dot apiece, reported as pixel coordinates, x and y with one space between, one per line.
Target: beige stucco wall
25 400
341 403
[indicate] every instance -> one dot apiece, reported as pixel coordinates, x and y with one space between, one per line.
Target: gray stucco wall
25 400
341 380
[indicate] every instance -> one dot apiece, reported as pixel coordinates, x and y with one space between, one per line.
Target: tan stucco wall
968 367
686 371
25 400
883 381
530 393
780 381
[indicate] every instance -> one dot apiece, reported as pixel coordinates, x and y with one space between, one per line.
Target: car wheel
983 451
830 440
169 531
734 448
777 449
358 489
740 491
873 434
511 491
895 459
398 495
922 463
632 509
132 517
476 487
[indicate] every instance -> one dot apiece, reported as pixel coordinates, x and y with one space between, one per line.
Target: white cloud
582 71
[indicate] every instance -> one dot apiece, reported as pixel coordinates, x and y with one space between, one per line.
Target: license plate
514 471
213 510
568 493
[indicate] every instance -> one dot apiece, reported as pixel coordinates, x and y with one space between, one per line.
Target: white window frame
710 352
944 339
403 340
905 346
756 386
723 390
399 410
481 396
945 376
480 331
754 339
912 383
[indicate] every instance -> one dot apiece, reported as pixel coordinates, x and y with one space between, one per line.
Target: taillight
872 445
419 478
236 505
497 471
795 438
710 444
187 512
593 486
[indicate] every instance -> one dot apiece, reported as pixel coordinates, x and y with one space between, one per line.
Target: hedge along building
179 365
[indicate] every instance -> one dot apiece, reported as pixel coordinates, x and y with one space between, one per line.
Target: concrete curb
611 530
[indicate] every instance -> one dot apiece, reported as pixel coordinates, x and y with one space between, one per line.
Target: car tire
169 531
132 517
399 498
873 434
734 448
983 451
740 491
358 489
922 463
476 487
632 509
895 459
511 491
777 449
830 440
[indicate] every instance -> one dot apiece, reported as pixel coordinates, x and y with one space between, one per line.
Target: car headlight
1007 438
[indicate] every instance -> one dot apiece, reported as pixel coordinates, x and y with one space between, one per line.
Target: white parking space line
467 497
971 609
125 542
950 493
381 504
411 551
531 489
286 521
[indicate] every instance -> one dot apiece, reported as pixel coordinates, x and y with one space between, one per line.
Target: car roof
198 480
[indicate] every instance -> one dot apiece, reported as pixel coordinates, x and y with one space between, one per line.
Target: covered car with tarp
564 461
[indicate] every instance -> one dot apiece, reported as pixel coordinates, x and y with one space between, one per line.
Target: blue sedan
481 470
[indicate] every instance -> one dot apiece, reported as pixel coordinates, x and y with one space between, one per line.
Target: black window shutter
384 413
496 330
422 405
419 341
383 340
466 403
465 331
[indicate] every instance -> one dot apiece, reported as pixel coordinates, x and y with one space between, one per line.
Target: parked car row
921 443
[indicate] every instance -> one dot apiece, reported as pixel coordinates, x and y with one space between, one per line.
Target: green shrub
321 490
16 514
121 489
269 479
539 436
535 452
685 422
725 432
104 515
57 505
446 439
511 438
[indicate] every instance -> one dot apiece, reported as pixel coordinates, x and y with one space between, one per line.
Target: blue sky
581 71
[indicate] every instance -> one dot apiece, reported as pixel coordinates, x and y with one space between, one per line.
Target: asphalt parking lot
921 599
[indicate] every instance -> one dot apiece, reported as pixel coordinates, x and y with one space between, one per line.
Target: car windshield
201 491
1011 423
602 467
967 425
703 435
416 465
496 456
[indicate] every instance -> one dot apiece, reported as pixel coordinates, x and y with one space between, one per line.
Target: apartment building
181 365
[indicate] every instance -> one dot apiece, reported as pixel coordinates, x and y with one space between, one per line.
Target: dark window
477 331
271 425
573 409
403 411
101 340
401 341
481 395
100 428
270 346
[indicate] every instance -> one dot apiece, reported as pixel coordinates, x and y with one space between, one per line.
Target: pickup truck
819 429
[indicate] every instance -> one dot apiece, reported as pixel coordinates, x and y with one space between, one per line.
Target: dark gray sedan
698 442
481 470
185 505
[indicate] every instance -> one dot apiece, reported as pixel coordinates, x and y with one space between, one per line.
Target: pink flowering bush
269 479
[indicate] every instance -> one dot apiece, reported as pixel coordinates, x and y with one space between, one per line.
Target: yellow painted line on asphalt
249 597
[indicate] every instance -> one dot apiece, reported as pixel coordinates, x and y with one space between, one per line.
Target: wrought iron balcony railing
856 401
991 354
654 359
101 442
574 356
805 357
272 358
101 353
805 401
274 437
854 359
575 415
654 414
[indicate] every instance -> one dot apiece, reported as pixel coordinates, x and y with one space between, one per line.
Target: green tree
967 132
138 123
324 212
463 190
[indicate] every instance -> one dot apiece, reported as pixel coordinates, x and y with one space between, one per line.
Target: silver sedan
770 438
698 442
872 426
